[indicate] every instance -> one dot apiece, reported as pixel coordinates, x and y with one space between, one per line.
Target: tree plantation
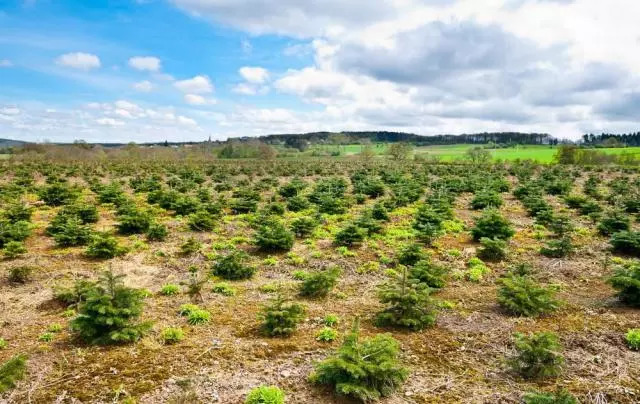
183 278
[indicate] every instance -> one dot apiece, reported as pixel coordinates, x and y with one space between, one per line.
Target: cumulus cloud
79 60
256 75
197 85
144 86
145 63
195 99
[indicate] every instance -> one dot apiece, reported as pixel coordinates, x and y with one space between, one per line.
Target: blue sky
150 70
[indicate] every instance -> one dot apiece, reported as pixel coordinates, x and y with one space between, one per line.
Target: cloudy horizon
182 70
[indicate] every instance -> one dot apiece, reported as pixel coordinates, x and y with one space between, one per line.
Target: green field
539 153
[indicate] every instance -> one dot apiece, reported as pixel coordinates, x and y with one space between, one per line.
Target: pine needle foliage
364 370
537 355
108 314
492 224
626 280
319 284
409 304
12 371
280 317
523 296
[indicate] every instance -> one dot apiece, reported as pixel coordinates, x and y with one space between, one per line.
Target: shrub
71 232
559 397
223 288
627 242
303 226
265 395
190 246
172 335
297 203
486 199
233 267
492 225
613 222
20 274
17 212
46 337
104 246
477 269
134 222
57 194
429 274
201 221
330 320
349 235
537 355
522 296
170 290
108 314
366 370
187 309
18 231
273 236
633 339
558 248
327 334
411 254
409 304
198 316
12 371
626 281
280 317
319 284
74 294
428 223
493 249
157 232
14 249
379 211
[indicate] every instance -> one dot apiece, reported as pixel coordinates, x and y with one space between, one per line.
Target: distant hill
4 143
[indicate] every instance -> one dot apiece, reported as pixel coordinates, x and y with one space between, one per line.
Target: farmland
220 276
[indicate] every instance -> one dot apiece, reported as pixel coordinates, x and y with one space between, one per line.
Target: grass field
539 153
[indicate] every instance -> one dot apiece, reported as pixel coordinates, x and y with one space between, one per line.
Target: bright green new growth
198 317
170 289
365 370
537 355
12 371
633 339
559 397
626 281
409 304
172 335
223 288
265 395
523 296
281 317
327 334
107 315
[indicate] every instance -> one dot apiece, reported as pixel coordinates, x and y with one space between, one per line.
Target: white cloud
144 86
197 85
256 75
244 89
5 63
145 63
10 111
183 120
195 99
79 60
109 122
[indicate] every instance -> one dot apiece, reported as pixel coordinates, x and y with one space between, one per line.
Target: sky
180 70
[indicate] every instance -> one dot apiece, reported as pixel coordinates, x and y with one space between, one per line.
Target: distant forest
293 140
611 139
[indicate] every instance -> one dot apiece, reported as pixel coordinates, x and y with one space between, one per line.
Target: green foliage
223 288
330 320
187 309
135 221
429 274
170 289
633 338
492 225
272 235
327 334
73 294
104 246
409 304
365 370
12 371
172 335
108 314
280 317
303 226
201 221
626 280
57 194
410 254
477 269
17 212
265 395
537 355
190 246
18 231
3 343
46 337
558 248
297 203
157 232
13 249
319 284
559 397
198 317
486 199
493 249
614 221
428 223
20 273
523 296
626 242
233 266
71 232
349 235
